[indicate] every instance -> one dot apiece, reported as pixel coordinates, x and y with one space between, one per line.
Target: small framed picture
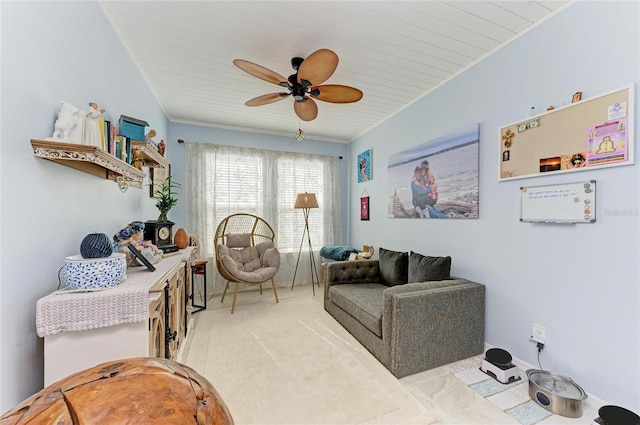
364 208
141 257
364 166
157 176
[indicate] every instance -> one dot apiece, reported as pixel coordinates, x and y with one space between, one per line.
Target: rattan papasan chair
246 253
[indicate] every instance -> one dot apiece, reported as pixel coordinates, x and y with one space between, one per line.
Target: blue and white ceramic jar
94 273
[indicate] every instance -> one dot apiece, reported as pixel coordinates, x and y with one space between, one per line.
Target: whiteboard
559 203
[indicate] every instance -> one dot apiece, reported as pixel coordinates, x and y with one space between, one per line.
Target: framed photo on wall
364 208
437 178
364 166
157 176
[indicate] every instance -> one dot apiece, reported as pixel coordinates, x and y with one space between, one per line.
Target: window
296 175
223 180
236 180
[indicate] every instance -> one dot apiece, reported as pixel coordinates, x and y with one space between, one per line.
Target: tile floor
292 363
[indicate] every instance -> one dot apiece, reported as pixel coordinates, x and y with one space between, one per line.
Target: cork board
592 133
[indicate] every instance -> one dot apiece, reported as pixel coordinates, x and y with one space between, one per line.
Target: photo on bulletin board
437 179
587 134
364 166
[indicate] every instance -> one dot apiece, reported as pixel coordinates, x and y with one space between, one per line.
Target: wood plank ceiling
394 51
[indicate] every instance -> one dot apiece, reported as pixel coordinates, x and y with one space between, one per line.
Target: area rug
291 363
512 398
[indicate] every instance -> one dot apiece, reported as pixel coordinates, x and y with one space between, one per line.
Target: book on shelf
106 140
128 147
102 124
114 134
120 147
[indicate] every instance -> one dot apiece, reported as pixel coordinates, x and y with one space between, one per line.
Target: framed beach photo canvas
364 166
436 179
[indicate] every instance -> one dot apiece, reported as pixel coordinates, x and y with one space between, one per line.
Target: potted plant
159 231
164 194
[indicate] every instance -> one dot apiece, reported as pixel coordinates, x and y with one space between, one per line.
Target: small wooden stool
138 391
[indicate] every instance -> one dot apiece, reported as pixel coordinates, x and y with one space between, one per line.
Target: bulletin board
559 203
588 134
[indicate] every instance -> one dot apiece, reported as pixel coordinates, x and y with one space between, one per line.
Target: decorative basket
94 273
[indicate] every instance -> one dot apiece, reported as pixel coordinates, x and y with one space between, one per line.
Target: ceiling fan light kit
304 85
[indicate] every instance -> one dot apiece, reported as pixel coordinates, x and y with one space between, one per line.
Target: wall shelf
149 155
89 159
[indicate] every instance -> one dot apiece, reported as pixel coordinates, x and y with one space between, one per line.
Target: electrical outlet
538 333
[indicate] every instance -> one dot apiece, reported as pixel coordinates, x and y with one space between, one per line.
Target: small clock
159 233
164 234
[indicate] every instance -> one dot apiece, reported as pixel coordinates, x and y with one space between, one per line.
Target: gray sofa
408 327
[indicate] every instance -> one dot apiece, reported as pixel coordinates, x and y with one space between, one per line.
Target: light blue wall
580 282
201 134
53 51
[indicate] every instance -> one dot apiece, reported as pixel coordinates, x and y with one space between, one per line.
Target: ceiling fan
304 85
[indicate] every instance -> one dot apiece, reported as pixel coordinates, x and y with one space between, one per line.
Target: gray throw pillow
239 240
394 267
423 268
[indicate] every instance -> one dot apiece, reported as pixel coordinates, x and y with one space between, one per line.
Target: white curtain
222 180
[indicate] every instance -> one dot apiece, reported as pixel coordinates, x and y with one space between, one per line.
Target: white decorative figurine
92 126
69 127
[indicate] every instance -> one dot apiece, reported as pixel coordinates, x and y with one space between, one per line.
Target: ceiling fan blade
307 110
317 67
261 72
336 93
266 99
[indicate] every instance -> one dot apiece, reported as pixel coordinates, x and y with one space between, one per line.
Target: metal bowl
555 393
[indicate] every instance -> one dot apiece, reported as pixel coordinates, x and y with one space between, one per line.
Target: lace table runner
128 302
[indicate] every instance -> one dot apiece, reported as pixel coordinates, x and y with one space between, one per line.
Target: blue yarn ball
96 245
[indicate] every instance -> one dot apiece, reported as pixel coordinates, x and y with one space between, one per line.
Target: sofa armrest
433 323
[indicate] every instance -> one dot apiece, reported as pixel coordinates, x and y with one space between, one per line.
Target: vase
96 245
181 238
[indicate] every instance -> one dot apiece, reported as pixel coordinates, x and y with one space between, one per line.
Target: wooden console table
161 332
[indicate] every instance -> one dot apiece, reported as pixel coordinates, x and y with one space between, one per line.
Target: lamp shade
306 200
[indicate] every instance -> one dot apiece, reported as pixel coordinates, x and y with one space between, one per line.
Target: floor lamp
306 201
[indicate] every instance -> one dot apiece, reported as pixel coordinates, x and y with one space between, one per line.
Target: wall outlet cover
538 333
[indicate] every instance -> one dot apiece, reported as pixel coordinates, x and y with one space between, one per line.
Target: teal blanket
337 253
